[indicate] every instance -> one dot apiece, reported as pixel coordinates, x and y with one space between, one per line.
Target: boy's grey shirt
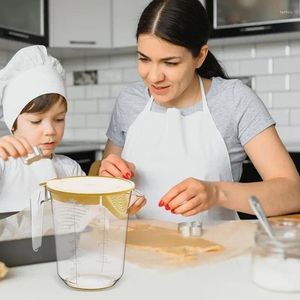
239 115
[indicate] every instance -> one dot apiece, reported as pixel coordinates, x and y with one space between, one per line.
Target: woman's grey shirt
238 113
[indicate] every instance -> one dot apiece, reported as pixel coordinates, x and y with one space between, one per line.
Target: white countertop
230 279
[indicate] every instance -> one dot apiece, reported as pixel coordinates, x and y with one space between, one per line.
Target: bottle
276 266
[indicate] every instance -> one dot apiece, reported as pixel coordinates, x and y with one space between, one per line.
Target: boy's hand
14 147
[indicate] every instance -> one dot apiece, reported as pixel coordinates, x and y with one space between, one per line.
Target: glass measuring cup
90 223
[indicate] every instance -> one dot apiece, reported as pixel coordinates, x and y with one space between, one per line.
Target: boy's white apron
167 148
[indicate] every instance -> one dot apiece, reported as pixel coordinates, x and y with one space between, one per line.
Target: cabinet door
80 24
25 21
126 14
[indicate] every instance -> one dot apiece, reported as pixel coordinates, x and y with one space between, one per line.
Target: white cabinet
125 16
80 24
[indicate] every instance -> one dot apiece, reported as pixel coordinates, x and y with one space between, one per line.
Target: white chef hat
30 73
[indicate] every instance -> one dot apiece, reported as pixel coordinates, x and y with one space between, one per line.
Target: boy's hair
41 104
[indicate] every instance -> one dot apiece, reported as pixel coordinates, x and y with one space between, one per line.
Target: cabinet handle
17 34
83 42
256 28
83 160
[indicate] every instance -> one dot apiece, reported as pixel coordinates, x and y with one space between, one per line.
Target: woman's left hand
190 197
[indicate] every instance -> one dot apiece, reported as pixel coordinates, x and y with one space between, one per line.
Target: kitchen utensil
190 228
43 170
90 223
261 216
36 155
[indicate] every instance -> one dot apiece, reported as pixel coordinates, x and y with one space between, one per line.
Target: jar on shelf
276 265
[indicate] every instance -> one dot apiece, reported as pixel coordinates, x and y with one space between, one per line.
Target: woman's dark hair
41 104
184 23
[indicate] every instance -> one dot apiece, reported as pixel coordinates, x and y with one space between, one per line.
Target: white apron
167 148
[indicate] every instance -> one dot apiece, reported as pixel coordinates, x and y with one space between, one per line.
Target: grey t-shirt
237 111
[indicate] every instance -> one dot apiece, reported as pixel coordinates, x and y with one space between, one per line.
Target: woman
183 134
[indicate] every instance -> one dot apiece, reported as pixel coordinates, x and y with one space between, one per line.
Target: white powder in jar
277 273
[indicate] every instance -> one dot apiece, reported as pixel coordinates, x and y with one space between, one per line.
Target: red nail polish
128 175
161 203
167 207
173 211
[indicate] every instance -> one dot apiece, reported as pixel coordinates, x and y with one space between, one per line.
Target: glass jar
276 266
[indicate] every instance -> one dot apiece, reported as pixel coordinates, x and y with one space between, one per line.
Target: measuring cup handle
137 201
37 200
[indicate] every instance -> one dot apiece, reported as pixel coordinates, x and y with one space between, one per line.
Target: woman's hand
113 165
14 147
190 197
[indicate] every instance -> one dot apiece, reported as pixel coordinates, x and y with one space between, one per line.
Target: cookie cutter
36 155
190 228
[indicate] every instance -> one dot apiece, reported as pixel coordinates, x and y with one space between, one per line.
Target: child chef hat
30 73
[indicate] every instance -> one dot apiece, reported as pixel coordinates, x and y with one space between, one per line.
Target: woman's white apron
167 148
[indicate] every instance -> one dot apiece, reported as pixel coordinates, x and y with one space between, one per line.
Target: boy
34 108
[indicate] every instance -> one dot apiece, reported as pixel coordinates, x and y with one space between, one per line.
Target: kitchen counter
221 280
227 279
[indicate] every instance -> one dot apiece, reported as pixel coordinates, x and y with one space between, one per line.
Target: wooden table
291 216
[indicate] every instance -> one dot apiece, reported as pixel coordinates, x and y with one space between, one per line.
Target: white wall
274 66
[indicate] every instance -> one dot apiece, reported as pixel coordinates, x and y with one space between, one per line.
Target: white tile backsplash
97 91
238 52
281 116
95 63
286 65
232 67
109 76
106 105
267 98
257 66
93 120
289 133
123 61
86 106
76 121
130 75
273 66
75 92
286 99
270 83
295 81
86 134
295 117
270 49
295 47
115 89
